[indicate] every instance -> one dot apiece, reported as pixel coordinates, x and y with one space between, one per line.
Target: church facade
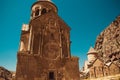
44 52
96 67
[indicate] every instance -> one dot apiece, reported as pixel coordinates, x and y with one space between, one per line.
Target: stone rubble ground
115 77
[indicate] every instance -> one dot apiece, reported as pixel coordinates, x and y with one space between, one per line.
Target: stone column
29 42
31 46
60 32
21 46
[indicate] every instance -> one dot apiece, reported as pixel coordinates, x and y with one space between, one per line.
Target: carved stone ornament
52 50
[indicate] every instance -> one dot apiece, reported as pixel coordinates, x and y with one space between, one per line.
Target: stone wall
34 67
72 69
103 70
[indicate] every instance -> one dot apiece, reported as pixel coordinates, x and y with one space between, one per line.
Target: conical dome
92 54
92 50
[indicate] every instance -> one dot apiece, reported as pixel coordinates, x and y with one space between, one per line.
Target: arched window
37 12
43 11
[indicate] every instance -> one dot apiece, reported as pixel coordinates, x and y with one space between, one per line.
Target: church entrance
51 76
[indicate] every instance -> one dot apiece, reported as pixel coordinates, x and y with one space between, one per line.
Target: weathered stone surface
5 74
108 42
44 52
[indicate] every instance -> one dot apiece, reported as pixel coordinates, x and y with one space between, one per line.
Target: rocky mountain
5 74
108 42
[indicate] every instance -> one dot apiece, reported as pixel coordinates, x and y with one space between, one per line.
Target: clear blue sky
87 18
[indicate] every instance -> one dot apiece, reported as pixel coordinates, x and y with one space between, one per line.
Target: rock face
107 52
108 42
5 74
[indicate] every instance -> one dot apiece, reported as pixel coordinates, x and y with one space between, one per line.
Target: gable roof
91 64
110 63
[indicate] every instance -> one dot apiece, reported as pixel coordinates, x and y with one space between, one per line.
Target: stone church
44 52
96 67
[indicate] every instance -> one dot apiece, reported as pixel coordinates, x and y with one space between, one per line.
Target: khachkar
44 52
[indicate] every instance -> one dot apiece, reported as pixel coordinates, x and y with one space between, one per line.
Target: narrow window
43 11
52 36
37 12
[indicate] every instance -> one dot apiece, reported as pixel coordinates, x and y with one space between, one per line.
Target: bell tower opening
51 76
44 11
37 12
